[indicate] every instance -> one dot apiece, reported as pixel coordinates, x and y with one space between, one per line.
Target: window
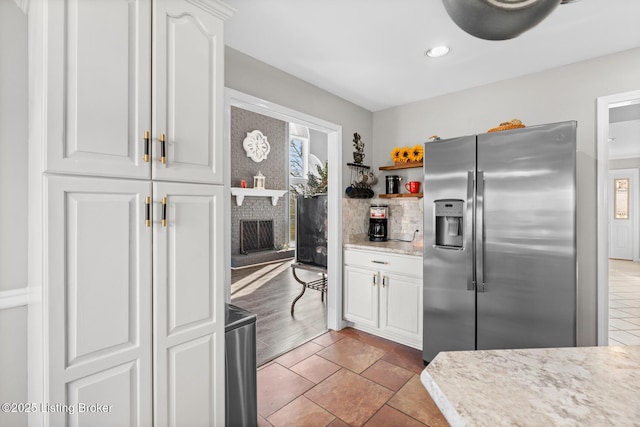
297 161
621 198
298 169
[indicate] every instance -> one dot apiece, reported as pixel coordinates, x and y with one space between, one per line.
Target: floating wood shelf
401 166
393 196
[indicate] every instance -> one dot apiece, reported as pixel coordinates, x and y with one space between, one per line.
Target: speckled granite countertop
583 386
361 241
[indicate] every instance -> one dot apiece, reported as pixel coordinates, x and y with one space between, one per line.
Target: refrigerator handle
480 232
468 232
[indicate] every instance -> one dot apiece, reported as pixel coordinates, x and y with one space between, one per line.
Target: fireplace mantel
241 193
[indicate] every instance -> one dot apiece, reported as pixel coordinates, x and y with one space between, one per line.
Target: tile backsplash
405 216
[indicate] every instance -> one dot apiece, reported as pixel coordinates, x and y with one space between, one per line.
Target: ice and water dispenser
448 227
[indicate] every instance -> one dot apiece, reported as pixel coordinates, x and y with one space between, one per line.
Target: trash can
240 367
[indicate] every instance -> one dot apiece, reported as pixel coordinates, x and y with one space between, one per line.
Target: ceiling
371 52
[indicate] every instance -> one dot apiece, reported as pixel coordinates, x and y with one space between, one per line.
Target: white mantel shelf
241 193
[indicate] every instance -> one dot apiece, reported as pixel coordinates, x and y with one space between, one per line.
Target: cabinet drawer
407 265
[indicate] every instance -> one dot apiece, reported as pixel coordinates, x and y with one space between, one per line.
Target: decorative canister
393 184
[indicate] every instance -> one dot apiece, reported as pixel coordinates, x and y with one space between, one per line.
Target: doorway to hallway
618 281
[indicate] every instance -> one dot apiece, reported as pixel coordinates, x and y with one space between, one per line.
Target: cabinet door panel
192 380
401 306
98 86
188 87
361 295
98 303
117 386
188 304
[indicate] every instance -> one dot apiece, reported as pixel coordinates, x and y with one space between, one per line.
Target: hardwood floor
268 290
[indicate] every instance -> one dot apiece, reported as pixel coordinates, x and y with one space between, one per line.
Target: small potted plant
358 155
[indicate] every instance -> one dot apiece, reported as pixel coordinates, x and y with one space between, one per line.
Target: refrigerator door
526 293
449 298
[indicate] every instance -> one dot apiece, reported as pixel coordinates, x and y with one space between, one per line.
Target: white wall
13 208
565 93
246 74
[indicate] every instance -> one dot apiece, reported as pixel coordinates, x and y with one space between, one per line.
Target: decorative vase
358 157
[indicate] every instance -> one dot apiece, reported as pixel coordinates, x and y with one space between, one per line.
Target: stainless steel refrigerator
500 240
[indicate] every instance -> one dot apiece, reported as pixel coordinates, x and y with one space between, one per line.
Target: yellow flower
416 153
405 154
396 154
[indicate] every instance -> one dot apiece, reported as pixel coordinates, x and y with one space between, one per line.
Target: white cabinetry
383 294
102 112
125 250
188 305
96 302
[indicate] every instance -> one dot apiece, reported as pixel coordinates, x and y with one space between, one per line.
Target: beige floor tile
349 396
415 401
315 368
352 354
278 386
391 376
388 416
329 338
301 412
624 302
298 354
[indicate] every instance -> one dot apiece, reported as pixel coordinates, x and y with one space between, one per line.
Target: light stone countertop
582 386
361 241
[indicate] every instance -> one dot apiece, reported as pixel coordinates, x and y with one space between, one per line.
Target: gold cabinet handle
147 138
147 211
163 149
164 211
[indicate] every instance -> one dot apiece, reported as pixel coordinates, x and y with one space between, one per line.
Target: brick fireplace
256 210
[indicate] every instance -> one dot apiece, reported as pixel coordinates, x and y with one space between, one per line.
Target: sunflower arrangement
417 153
407 154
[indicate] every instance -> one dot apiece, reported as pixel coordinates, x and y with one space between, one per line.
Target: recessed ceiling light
438 51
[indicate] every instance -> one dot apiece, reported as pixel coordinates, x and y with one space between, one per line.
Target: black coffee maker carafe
378 225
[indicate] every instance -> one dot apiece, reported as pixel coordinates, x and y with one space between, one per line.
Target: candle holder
258 181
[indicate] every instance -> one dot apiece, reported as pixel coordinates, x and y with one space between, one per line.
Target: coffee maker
378 226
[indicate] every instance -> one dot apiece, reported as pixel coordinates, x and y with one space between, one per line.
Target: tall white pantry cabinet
126 314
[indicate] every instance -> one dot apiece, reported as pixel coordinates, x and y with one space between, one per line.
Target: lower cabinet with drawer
383 295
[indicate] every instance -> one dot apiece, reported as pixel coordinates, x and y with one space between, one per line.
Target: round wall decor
256 146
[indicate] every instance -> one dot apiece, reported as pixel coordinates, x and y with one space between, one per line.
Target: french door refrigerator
500 240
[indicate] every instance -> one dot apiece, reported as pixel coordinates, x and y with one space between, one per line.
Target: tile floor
624 302
346 378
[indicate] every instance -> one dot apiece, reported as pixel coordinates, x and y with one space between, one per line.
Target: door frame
251 103
602 172
634 179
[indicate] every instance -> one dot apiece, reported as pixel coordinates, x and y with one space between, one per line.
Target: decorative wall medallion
256 146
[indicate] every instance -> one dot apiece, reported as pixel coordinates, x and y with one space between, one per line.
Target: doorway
623 216
281 270
618 282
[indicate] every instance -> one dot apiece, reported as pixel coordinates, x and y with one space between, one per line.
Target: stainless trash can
240 364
